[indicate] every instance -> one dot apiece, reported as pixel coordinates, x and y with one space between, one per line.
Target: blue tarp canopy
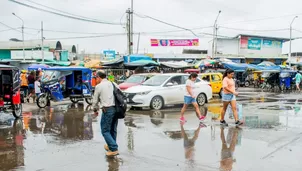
133 58
114 63
240 66
37 66
235 66
75 68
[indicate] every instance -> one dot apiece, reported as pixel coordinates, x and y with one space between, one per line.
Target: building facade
250 48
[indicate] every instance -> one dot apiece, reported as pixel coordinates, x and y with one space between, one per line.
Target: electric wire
64 15
163 22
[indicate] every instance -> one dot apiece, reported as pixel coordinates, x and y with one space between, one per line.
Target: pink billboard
174 42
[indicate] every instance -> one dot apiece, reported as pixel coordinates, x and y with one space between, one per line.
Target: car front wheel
157 103
201 99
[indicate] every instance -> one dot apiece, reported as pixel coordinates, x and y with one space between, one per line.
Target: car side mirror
169 84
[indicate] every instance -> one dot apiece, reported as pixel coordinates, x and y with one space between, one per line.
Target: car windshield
156 80
135 79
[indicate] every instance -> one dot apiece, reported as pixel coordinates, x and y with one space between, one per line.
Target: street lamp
22 34
290 41
215 35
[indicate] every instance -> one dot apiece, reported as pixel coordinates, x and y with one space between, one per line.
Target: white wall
227 46
29 55
264 51
231 47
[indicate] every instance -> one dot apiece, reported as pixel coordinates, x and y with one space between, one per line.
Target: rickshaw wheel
74 100
88 100
247 84
17 110
42 101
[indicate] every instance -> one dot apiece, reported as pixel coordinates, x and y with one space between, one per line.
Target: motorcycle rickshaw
286 79
271 79
60 82
241 78
258 80
10 95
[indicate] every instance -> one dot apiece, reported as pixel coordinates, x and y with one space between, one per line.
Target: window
185 78
135 79
206 78
156 80
176 80
215 78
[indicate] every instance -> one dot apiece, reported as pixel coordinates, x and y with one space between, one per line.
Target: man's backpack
120 102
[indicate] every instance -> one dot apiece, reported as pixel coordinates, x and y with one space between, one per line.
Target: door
216 83
206 78
174 90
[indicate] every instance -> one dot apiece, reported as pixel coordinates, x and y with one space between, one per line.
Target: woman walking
31 85
190 98
229 96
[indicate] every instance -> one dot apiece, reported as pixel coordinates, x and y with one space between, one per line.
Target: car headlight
144 93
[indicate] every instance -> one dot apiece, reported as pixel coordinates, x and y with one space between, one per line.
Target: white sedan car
166 89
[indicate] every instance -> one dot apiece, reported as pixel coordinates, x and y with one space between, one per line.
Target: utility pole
214 35
290 42
128 34
138 39
131 28
215 49
42 39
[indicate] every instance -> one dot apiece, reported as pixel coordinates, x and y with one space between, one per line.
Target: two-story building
250 49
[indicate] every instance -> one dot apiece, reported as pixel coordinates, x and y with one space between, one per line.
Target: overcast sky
237 17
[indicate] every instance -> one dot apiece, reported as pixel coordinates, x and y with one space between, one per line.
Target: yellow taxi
215 80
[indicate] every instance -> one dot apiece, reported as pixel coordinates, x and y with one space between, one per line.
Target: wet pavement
67 137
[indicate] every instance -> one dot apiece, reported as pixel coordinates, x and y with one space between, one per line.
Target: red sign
244 42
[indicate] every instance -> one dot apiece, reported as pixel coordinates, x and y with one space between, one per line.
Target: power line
163 22
283 29
8 29
175 31
71 32
64 15
86 37
298 30
57 10
261 19
15 29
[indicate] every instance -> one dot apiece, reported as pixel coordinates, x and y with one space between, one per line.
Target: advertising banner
254 44
174 42
109 54
271 43
276 44
243 42
267 43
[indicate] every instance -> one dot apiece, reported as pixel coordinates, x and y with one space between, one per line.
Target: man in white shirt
38 87
103 94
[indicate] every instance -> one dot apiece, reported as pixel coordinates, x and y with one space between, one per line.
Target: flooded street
67 137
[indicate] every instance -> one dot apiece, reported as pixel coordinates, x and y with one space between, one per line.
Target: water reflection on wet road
67 137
